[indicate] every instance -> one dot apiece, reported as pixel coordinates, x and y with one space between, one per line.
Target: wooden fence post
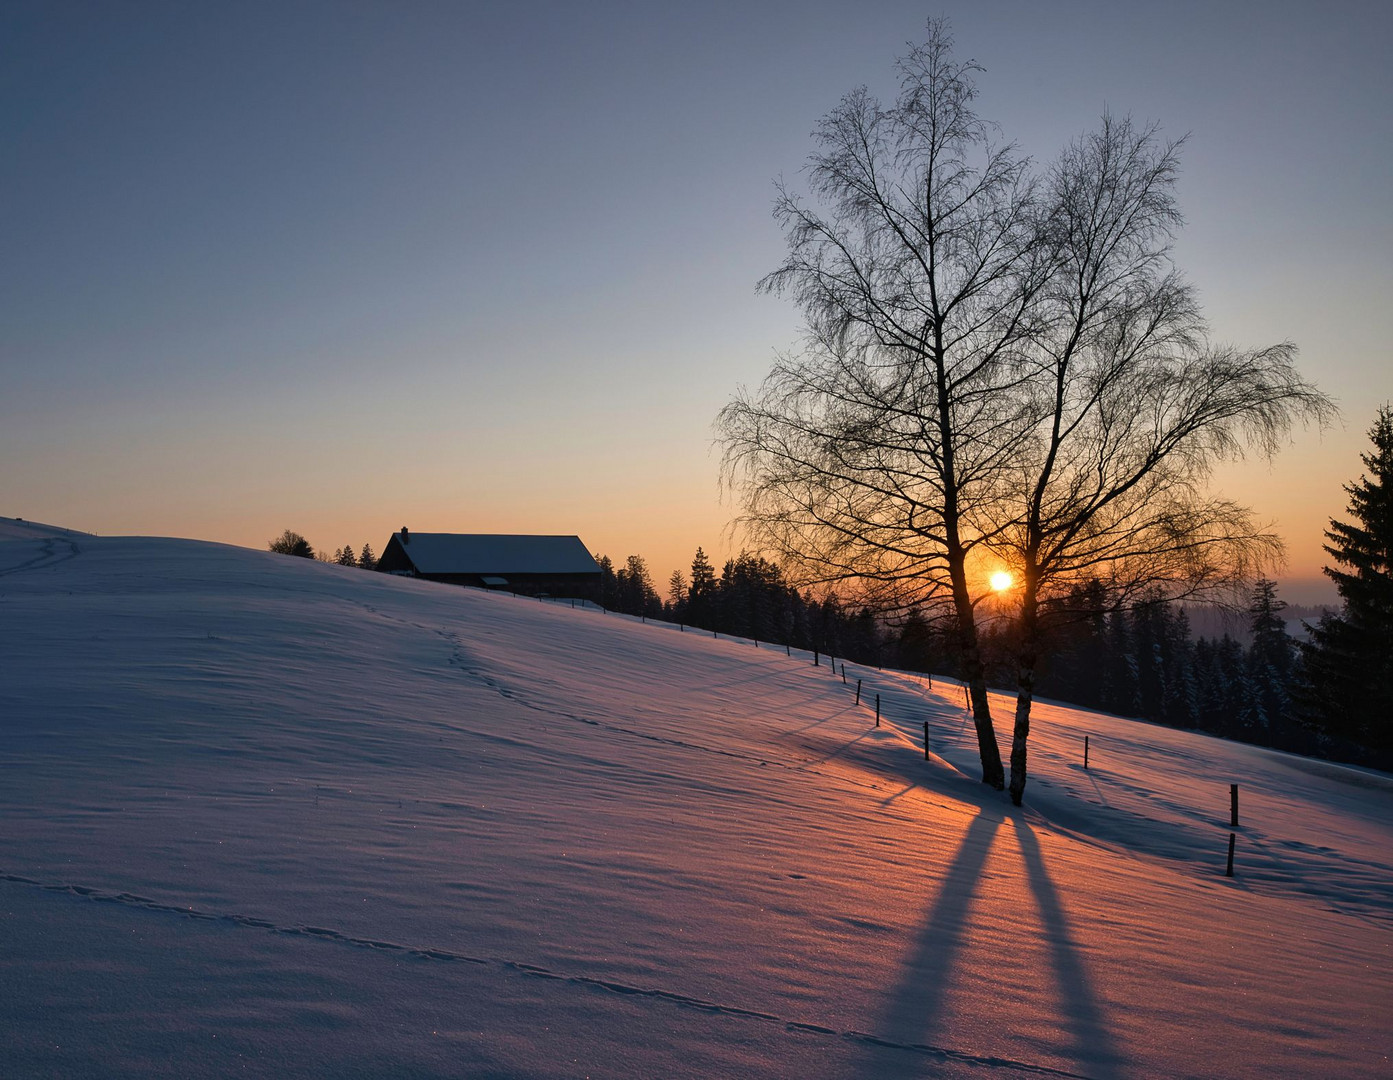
1085 751
877 710
926 740
1228 871
858 691
1233 805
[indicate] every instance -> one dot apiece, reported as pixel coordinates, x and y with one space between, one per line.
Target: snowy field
269 817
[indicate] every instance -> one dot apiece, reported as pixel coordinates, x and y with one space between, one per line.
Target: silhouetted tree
1078 652
1182 690
291 543
1271 657
677 596
915 265
1120 686
701 592
609 586
367 559
634 590
917 647
1349 659
1128 409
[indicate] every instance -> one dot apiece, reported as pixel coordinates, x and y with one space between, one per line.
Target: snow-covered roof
496 553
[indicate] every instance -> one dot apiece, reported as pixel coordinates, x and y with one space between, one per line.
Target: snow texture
273 817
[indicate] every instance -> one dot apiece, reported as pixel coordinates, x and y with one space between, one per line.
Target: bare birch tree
1132 408
917 263
997 368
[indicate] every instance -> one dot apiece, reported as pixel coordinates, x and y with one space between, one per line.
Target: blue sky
340 267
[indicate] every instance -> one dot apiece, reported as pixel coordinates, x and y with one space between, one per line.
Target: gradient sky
342 267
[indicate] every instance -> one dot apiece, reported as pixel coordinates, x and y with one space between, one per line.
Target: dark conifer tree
915 648
701 593
634 590
1208 685
734 601
1271 657
1348 687
1120 670
1182 689
1147 641
367 558
676 607
609 590
802 637
1075 668
1236 715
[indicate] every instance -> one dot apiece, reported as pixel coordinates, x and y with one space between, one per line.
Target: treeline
1276 691
751 598
1141 661
366 559
292 543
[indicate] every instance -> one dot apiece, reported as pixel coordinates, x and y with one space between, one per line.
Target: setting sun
1001 580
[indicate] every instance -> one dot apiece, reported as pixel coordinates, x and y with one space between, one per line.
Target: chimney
405 536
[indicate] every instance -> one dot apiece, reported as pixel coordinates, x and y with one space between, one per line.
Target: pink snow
272 816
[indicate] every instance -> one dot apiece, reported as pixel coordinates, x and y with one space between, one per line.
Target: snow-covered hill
268 816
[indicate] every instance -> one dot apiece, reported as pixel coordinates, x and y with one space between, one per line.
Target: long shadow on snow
917 1009
1187 835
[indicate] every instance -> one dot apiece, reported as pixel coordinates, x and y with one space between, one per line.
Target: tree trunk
992 771
1025 693
976 679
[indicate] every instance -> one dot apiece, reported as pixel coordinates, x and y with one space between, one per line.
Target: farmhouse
534 565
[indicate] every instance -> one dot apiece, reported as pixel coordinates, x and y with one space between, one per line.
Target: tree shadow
916 1011
1088 1029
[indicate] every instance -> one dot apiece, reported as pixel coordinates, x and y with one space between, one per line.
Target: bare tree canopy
917 265
1130 408
1001 365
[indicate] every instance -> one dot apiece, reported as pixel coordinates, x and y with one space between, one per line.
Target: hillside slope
268 816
